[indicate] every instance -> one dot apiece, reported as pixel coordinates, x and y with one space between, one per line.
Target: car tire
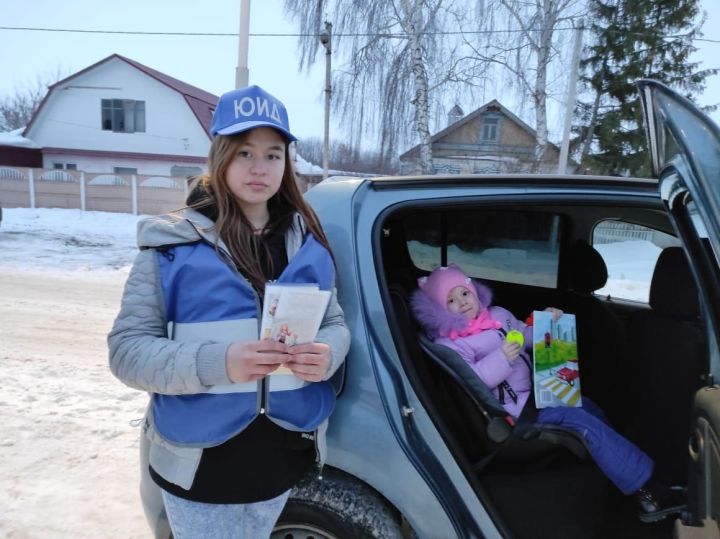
337 506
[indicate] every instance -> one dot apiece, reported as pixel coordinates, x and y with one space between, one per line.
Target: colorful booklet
292 314
555 360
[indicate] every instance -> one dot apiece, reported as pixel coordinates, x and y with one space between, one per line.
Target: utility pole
570 106
242 73
326 40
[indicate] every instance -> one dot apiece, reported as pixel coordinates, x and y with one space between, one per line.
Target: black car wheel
337 506
301 521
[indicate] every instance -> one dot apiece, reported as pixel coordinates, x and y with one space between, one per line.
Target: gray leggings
196 520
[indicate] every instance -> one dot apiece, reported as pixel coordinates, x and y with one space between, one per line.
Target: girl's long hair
233 227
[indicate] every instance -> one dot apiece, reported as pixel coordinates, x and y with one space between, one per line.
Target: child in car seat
456 311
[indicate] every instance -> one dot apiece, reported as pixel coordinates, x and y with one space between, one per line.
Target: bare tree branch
392 74
529 54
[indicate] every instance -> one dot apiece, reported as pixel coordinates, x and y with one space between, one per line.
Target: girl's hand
556 313
309 361
511 350
246 361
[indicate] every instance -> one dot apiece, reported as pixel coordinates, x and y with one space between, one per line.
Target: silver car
417 449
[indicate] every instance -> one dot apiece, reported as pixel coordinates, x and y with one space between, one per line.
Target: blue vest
199 287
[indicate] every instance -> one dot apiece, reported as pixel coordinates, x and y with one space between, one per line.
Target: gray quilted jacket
144 358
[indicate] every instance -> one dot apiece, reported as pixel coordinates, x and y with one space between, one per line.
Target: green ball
515 336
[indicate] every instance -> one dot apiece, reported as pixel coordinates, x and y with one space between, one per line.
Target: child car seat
526 471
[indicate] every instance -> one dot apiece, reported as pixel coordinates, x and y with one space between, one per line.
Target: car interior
641 360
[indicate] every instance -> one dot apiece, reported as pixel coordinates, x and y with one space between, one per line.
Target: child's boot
657 501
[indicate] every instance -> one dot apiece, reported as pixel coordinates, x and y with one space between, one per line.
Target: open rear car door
685 151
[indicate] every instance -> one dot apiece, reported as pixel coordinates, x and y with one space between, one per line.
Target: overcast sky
205 61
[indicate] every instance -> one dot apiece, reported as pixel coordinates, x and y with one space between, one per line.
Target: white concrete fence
612 231
124 193
137 194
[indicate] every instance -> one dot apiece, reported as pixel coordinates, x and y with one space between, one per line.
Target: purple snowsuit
621 461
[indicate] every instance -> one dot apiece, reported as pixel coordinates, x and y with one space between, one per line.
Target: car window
513 247
630 253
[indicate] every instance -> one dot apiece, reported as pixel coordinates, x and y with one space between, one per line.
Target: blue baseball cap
246 108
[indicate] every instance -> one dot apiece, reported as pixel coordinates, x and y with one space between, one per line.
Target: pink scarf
480 323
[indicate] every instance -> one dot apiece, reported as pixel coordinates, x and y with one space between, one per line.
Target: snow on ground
630 266
68 241
68 450
69 453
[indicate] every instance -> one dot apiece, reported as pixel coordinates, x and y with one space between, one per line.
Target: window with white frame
125 170
123 115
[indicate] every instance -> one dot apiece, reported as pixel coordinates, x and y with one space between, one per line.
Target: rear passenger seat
601 334
668 356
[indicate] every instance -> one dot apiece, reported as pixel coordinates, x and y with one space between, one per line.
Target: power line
222 34
124 32
353 34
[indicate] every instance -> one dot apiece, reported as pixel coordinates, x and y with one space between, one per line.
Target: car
568 375
415 449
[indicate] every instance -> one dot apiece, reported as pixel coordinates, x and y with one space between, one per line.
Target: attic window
123 115
489 128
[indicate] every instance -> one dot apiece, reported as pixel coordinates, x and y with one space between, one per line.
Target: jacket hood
435 319
184 226
188 225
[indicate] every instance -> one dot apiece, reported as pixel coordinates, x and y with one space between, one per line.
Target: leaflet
292 314
555 360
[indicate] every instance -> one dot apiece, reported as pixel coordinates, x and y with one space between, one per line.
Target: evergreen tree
633 39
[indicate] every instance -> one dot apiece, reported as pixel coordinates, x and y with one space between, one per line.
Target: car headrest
672 290
588 271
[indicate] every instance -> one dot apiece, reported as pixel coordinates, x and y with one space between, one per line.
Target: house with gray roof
489 140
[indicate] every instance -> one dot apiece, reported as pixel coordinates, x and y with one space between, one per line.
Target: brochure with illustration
555 360
292 314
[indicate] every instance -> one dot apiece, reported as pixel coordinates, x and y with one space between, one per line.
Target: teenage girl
228 440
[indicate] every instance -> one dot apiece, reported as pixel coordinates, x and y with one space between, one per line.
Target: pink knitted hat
442 280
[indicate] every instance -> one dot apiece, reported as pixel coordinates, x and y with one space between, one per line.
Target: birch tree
521 38
395 62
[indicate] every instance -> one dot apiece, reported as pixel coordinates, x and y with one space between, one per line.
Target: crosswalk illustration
569 395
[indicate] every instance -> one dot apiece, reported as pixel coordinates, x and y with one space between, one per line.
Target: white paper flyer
292 314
